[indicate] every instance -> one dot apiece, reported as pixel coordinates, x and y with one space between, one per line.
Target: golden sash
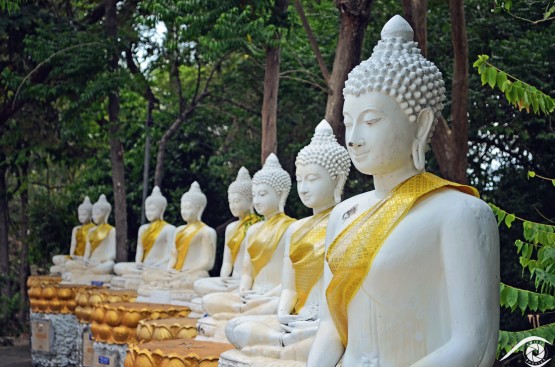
307 255
183 241
81 239
351 254
238 236
98 235
262 245
150 235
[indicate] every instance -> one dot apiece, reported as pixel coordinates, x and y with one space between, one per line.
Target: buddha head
155 205
392 103
193 203
239 194
322 169
270 187
101 210
84 211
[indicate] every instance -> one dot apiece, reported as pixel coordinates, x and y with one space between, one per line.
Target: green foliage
518 93
508 339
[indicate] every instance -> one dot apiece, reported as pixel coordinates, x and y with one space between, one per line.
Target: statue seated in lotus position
100 250
154 244
412 267
322 169
194 251
260 284
240 205
78 238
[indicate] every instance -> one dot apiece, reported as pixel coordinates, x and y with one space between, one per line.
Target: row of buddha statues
406 274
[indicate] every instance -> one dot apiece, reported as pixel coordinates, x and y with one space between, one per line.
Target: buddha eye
372 121
348 123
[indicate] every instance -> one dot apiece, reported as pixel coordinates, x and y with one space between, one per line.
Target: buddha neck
323 207
192 221
383 184
245 214
266 217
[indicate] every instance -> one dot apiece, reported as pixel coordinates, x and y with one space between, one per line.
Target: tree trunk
4 246
146 165
270 103
354 19
24 237
271 84
415 13
450 144
116 147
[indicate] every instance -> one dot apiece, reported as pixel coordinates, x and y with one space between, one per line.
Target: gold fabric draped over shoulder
81 238
238 235
183 240
150 235
351 254
307 255
98 235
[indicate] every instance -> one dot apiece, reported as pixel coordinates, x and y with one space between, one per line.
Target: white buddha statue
322 168
154 244
192 255
260 284
412 267
100 250
241 206
78 238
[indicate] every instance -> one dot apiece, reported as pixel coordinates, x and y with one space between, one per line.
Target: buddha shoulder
252 229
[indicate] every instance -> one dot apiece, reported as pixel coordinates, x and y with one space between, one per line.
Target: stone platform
54 340
55 298
109 355
234 358
175 353
166 329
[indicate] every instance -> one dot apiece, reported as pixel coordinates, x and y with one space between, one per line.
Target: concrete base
127 282
86 279
109 355
54 343
210 329
234 358
85 345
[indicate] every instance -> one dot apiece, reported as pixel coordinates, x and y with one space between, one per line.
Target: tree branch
313 42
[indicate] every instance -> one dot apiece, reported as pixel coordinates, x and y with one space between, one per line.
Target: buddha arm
73 241
172 249
470 253
227 265
288 297
140 249
110 253
246 279
327 348
208 250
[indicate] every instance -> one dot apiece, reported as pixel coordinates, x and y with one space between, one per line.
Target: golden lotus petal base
165 329
116 323
54 298
36 280
88 298
176 353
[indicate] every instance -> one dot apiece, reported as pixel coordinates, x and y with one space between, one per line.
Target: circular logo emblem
535 353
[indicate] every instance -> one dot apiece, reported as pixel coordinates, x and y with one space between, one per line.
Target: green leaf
492 76
483 77
553 182
501 79
500 216
531 174
510 296
509 219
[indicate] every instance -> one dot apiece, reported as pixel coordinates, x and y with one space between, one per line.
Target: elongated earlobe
338 191
425 122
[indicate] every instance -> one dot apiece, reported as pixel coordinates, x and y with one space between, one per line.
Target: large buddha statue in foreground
100 250
412 267
321 170
78 238
260 284
192 255
154 244
240 205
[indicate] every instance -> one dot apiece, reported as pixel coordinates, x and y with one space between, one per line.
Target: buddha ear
282 200
341 179
424 124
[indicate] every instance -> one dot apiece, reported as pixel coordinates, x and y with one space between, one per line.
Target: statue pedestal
116 323
109 355
234 358
54 298
86 279
85 345
176 353
211 329
54 340
166 329
87 298
126 282
153 296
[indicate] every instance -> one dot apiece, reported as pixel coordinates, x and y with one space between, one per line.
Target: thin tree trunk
271 85
415 13
146 166
354 19
116 147
450 144
24 251
270 102
4 245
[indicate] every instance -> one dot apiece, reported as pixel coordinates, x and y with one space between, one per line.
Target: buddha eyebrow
372 109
